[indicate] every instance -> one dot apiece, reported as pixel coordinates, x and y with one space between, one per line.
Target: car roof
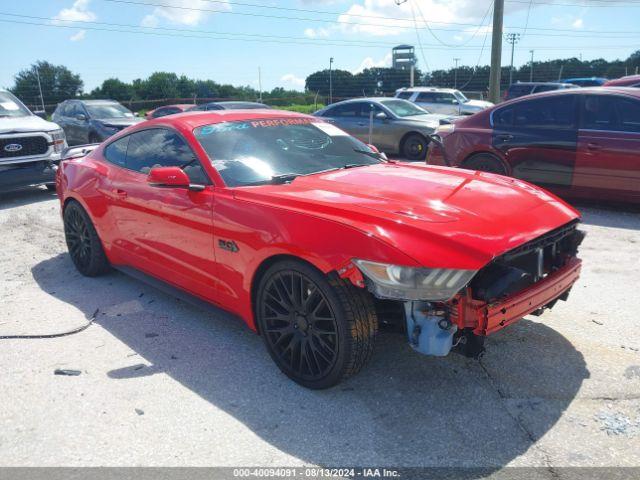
535 84
180 105
427 89
628 78
635 92
195 119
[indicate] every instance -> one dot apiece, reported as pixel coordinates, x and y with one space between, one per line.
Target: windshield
256 152
108 110
403 108
460 96
10 106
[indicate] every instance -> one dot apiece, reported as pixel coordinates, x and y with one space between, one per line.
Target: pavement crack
518 421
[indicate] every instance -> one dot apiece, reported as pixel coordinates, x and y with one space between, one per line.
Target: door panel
538 138
609 146
165 232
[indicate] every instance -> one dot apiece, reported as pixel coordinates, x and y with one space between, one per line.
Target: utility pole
412 76
496 51
455 73
260 83
531 67
39 87
512 38
330 82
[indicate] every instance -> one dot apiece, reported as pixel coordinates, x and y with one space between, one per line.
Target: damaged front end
526 280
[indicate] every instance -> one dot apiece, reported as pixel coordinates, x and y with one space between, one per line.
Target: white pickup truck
30 147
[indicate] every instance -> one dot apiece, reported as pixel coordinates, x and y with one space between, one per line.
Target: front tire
414 147
319 330
485 162
83 243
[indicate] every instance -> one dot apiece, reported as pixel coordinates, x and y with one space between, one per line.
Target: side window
426 97
503 117
116 152
162 148
346 110
405 95
606 112
545 88
447 98
628 114
77 110
550 112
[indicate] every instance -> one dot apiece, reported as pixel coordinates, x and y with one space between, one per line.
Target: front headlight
407 283
58 140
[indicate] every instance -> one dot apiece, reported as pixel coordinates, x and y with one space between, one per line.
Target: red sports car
579 143
313 238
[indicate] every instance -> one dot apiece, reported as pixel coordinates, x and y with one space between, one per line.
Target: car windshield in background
272 150
460 96
11 107
403 108
108 110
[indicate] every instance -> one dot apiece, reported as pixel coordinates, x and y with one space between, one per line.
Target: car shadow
610 215
403 409
25 196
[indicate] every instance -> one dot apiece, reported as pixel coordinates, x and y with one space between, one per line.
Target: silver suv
30 147
447 101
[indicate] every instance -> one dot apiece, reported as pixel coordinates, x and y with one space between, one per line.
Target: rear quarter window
116 152
405 95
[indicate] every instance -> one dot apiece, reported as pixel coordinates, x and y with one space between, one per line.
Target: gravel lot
165 383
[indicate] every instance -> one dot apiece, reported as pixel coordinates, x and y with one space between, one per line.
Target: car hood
430 120
441 217
26 124
120 122
478 103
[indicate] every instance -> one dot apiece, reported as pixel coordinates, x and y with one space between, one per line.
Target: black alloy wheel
414 147
312 328
85 248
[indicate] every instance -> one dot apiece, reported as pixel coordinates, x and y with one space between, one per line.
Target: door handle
593 146
120 193
505 137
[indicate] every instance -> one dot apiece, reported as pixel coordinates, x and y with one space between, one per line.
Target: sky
230 40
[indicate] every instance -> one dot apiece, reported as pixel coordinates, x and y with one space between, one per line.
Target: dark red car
579 143
312 237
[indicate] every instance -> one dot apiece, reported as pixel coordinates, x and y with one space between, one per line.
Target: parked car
628 81
586 81
520 89
582 143
92 121
447 101
30 147
397 126
311 237
231 105
168 110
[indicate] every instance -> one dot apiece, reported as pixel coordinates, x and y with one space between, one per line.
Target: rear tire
83 243
485 162
414 147
318 329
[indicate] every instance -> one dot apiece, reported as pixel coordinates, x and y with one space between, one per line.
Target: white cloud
76 37
567 20
188 12
293 80
79 12
578 23
369 62
316 32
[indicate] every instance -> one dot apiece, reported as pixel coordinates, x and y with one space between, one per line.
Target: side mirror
455 102
381 116
41 113
81 116
173 177
136 114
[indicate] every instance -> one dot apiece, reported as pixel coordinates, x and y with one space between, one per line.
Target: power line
338 21
230 36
